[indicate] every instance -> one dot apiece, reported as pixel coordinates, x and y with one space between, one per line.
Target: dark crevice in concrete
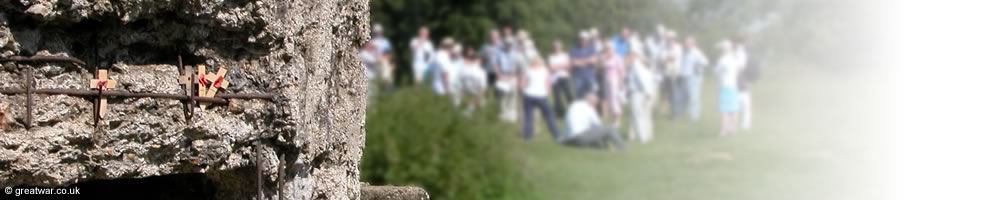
104 40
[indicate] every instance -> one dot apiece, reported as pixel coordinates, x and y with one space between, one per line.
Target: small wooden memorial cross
102 83
185 80
211 83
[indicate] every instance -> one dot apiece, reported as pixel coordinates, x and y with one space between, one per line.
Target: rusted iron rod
43 58
260 170
28 84
97 104
221 98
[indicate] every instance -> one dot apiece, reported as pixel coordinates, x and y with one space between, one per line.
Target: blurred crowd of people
590 85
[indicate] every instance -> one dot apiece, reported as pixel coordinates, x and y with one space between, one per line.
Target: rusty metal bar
28 79
281 176
97 103
260 171
220 98
192 91
43 58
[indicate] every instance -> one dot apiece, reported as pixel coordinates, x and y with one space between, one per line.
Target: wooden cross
185 79
202 85
102 83
212 83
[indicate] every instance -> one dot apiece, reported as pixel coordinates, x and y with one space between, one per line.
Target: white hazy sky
947 139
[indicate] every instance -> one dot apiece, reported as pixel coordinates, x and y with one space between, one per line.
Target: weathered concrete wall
301 50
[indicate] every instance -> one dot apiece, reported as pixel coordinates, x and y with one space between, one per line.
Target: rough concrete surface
303 51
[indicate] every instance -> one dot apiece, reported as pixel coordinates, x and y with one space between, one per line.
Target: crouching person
585 126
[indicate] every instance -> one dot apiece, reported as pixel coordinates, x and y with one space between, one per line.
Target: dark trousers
562 94
584 79
530 103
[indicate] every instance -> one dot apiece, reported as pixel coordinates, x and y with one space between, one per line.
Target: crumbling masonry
310 134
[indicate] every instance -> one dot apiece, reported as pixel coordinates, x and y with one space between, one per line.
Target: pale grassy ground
817 134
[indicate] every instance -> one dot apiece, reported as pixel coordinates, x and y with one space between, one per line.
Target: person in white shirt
728 69
535 84
454 74
642 90
559 64
423 52
441 65
472 80
585 128
692 72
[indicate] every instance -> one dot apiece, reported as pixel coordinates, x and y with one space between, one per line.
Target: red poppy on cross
102 83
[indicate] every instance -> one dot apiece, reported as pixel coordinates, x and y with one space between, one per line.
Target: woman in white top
728 69
535 84
423 51
472 79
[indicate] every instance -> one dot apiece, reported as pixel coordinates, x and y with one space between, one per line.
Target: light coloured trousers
508 100
642 122
745 109
694 96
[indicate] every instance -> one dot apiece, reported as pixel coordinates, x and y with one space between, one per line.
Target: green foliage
417 138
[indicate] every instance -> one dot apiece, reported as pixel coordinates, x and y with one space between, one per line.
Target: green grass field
817 135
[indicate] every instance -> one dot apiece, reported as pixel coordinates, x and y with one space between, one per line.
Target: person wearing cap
641 91
423 53
584 61
535 84
559 64
692 73
584 126
728 69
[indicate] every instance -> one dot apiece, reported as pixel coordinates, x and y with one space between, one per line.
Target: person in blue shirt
621 42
